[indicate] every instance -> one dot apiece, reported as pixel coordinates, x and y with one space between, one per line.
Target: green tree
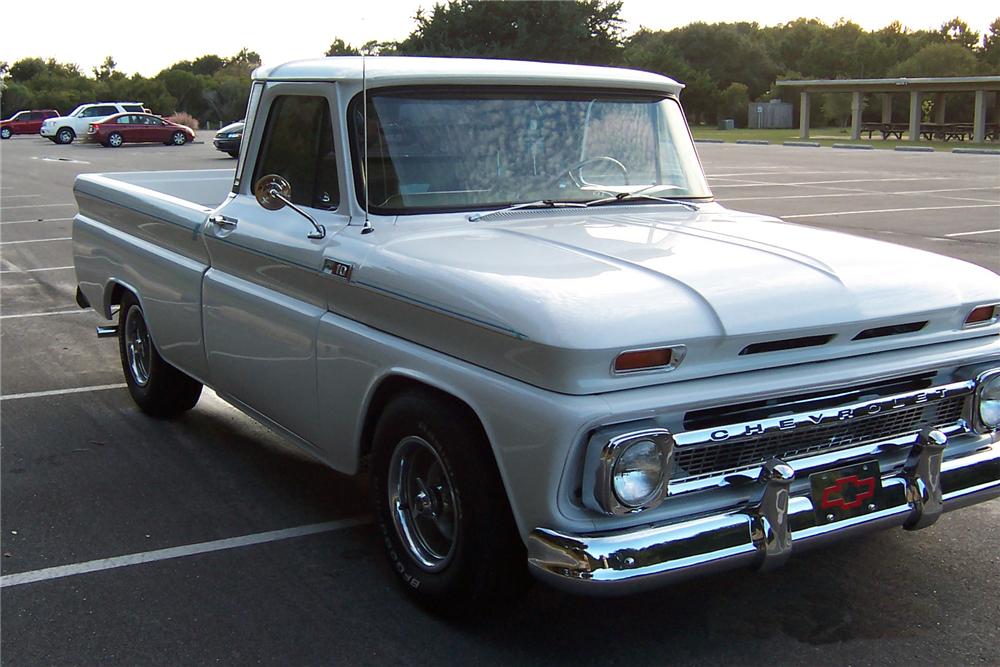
990 52
577 31
106 69
734 102
948 59
958 31
341 48
14 97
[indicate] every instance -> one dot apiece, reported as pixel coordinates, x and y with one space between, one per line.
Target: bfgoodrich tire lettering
452 474
157 388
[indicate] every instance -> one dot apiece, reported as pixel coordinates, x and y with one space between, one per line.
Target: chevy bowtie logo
848 493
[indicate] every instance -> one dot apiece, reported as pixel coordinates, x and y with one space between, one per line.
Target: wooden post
886 108
979 119
804 115
856 109
915 112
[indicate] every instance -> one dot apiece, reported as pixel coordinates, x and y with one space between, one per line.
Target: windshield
461 150
76 112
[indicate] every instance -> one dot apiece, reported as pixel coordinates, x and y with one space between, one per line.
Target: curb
914 149
976 151
755 142
857 147
710 141
804 144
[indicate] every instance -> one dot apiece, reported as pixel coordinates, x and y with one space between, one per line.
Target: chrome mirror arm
320 230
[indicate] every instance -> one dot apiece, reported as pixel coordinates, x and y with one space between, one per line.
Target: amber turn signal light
642 360
982 314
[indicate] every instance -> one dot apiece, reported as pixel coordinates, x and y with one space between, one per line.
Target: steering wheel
576 174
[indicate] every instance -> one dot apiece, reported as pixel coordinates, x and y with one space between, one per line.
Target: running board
108 332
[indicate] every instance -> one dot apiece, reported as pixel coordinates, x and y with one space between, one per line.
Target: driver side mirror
273 192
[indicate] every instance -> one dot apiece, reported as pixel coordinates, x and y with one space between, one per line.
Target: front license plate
846 492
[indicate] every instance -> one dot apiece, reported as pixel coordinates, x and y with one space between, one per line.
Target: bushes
185 119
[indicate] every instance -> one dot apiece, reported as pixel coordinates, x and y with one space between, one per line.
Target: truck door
264 294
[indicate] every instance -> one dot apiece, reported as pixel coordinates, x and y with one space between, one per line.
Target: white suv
64 129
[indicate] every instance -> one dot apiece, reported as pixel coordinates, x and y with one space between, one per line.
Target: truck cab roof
382 71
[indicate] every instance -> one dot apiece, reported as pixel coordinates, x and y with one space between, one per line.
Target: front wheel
440 504
5 133
65 136
157 388
179 139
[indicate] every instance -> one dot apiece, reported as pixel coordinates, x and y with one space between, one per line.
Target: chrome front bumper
764 533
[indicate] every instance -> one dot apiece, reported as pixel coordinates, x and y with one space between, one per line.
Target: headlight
638 473
632 472
989 399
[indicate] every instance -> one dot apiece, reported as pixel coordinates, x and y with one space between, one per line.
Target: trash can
727 124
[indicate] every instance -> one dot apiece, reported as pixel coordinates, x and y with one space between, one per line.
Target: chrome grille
711 459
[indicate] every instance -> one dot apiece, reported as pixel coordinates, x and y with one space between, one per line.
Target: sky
296 29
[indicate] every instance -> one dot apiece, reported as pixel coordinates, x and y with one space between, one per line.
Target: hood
232 127
738 291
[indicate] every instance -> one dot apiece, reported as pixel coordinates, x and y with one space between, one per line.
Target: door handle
222 221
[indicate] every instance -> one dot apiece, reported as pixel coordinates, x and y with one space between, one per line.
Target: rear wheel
65 135
5 133
115 140
157 388
179 139
441 506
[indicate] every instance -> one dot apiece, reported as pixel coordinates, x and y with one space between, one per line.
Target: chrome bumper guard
764 533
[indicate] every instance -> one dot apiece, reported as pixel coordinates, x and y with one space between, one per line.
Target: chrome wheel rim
422 503
179 139
115 140
138 348
65 136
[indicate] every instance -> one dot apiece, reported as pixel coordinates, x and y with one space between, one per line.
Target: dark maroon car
25 122
138 128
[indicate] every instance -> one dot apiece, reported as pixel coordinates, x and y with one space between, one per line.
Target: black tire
5 133
115 140
157 388
234 154
483 561
65 135
178 139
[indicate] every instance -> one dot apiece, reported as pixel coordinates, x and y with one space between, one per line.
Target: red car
138 128
25 122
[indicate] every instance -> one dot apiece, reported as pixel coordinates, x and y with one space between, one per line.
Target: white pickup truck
506 291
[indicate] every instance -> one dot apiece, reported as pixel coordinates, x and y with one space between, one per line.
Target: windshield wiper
640 194
541 203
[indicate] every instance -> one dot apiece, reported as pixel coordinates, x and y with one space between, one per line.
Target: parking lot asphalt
208 539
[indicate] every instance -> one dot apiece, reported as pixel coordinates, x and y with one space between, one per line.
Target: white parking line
60 238
982 231
864 193
46 268
887 210
36 206
76 311
759 184
21 222
60 392
178 552
21 196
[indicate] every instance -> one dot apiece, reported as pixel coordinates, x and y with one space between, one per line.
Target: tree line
723 65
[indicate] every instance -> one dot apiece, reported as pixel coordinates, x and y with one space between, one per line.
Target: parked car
64 129
505 290
25 122
228 138
131 128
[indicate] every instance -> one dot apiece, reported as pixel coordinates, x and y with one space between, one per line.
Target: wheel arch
396 383
114 292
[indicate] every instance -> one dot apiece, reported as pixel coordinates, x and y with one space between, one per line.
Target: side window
132 107
34 115
153 121
122 120
298 145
